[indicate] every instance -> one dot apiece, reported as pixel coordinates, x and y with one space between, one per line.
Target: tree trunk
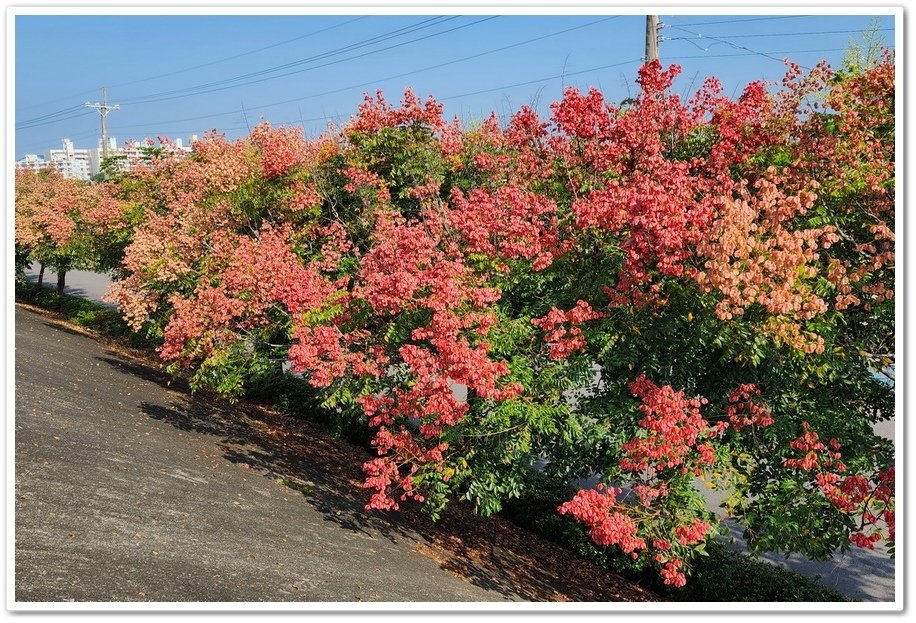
61 276
41 275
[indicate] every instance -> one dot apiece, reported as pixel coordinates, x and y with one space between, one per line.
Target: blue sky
180 75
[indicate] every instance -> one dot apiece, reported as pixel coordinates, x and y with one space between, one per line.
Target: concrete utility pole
103 107
651 38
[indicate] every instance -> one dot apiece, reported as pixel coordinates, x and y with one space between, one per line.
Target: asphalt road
127 490
84 283
118 500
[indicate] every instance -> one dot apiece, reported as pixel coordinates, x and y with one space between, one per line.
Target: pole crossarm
104 107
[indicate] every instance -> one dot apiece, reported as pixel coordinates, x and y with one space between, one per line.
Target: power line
724 40
736 54
48 116
62 115
65 98
426 23
400 75
436 66
81 93
307 69
534 81
792 34
539 80
175 132
506 86
638 60
729 43
82 113
235 56
748 19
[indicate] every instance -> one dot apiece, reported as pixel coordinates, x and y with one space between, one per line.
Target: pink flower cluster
613 523
409 269
563 334
508 223
744 408
254 274
673 435
869 501
599 510
672 574
281 149
674 429
692 533
814 453
753 257
376 114
49 207
664 206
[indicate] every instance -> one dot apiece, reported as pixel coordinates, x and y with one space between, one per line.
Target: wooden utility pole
651 38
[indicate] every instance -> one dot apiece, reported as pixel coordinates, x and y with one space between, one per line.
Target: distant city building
32 162
130 153
133 152
95 155
84 164
71 162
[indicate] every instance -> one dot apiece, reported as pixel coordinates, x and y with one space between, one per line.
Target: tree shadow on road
296 457
487 552
290 450
159 377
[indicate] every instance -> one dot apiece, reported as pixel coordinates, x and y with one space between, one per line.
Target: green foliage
747 579
862 55
296 485
88 314
21 261
294 396
406 157
112 168
225 369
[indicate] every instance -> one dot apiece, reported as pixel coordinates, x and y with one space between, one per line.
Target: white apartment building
95 155
71 162
32 162
128 154
83 164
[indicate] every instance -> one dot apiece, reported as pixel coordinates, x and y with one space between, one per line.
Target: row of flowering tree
63 223
652 293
